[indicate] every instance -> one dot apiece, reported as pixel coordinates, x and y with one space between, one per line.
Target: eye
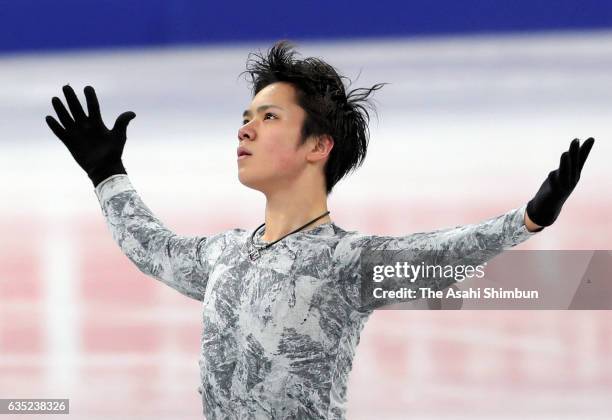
269 113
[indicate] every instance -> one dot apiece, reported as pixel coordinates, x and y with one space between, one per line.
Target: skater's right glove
96 149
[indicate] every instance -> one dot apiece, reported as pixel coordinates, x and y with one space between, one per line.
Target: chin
249 182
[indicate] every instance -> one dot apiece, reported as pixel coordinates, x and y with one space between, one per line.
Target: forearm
493 235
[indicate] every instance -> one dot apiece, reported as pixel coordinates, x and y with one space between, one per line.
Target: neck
286 211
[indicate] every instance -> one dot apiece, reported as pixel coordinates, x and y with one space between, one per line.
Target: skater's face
271 132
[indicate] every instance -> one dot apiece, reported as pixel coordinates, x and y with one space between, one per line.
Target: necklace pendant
254 254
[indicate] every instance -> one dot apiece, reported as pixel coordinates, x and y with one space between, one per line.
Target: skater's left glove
544 208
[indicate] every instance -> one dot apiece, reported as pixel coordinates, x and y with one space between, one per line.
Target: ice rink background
468 128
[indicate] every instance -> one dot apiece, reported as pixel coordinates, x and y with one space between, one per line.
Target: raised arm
466 245
180 262
471 244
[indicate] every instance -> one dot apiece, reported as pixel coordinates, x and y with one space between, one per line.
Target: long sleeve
471 244
182 263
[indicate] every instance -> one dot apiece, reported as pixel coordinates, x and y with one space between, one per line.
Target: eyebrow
261 108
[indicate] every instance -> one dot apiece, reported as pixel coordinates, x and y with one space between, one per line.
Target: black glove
95 148
544 208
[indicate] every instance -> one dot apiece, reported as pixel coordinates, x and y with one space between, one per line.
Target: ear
320 147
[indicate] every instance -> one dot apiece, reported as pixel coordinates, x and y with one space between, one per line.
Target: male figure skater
281 305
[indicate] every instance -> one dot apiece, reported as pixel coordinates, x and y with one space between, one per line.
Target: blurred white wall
468 129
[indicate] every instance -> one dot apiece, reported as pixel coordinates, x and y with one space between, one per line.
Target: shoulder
216 244
352 241
349 244
230 236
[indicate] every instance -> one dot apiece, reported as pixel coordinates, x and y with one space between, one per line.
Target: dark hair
322 94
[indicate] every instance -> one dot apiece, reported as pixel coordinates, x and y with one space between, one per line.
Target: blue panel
68 24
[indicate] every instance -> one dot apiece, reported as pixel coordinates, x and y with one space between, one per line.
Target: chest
281 290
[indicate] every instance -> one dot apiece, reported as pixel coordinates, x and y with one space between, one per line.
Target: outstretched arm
466 245
180 262
471 244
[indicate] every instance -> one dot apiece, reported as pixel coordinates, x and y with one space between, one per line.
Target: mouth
242 153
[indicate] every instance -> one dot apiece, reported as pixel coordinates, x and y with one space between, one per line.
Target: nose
246 133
